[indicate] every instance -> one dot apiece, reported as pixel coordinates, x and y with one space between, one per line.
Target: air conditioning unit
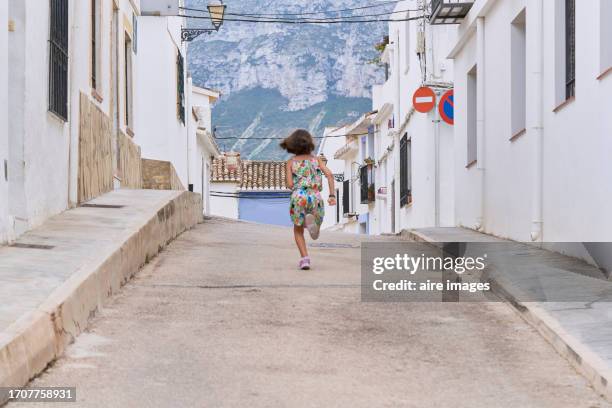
159 7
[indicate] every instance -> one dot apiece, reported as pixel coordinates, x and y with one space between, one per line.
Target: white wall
161 135
39 142
202 147
420 128
4 233
43 148
576 165
224 206
330 144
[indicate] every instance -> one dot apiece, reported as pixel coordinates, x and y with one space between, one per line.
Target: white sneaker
311 225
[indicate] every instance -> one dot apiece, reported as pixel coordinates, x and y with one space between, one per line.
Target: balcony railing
449 11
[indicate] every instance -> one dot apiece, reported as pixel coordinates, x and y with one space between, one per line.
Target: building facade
61 133
203 148
402 163
333 139
532 131
163 117
89 81
248 190
4 144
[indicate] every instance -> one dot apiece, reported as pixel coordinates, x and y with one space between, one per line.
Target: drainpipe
437 162
396 124
537 129
480 116
74 112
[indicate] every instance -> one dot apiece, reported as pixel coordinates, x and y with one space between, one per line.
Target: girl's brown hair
299 142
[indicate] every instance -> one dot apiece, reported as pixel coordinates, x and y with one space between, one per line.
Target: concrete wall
220 204
576 167
3 121
161 134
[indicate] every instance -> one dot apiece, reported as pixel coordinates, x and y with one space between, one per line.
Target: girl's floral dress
307 186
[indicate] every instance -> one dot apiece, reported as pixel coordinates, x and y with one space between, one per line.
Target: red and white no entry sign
424 100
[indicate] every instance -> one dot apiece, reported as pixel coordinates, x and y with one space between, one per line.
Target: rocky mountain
277 77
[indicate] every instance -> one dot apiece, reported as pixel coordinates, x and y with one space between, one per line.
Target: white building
532 134
249 190
203 148
411 152
68 89
4 144
356 199
333 139
162 85
414 151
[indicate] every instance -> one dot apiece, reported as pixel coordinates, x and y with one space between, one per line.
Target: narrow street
222 317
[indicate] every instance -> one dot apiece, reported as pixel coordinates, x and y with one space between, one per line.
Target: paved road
223 318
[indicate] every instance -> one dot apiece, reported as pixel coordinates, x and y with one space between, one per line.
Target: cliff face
278 77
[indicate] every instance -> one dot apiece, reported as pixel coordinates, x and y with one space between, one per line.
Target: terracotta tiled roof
251 175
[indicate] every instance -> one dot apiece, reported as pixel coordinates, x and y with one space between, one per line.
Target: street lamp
216 10
217 13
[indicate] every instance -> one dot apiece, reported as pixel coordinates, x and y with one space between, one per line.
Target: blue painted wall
264 208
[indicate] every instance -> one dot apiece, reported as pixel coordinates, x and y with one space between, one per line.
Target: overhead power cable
282 138
326 18
309 13
314 21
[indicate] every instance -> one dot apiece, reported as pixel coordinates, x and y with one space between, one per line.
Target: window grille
570 48
58 58
405 171
346 196
93 44
180 63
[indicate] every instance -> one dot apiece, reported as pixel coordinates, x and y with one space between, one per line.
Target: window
605 15
472 106
95 43
180 87
346 197
570 48
405 171
518 85
58 58
128 82
364 184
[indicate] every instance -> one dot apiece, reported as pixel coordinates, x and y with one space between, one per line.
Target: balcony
449 11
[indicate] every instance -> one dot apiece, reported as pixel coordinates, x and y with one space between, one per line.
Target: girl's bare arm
330 181
289 174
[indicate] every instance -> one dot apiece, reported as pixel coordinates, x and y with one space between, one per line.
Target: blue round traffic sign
447 107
